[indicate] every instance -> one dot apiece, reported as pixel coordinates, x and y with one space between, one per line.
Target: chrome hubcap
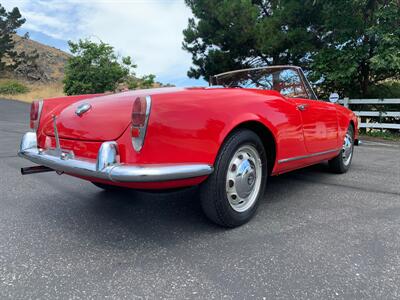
243 179
347 151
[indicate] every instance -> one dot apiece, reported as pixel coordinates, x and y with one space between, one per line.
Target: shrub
12 87
94 68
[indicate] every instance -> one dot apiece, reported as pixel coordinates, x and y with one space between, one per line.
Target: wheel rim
347 151
243 179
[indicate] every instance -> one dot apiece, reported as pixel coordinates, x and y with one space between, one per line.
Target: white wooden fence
369 115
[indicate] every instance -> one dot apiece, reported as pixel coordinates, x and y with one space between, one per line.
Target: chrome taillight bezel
37 121
138 141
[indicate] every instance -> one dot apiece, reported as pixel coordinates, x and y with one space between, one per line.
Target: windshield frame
307 86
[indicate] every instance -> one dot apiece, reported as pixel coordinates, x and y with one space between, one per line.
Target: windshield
289 81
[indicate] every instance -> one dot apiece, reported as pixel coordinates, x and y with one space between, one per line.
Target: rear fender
247 117
345 118
243 120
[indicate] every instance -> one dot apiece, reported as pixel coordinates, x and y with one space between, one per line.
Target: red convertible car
229 137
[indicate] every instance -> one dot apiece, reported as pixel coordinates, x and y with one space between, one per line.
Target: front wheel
341 163
230 195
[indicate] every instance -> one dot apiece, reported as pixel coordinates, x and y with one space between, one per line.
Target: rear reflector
135 132
140 117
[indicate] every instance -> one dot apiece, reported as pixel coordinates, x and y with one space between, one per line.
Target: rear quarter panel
191 125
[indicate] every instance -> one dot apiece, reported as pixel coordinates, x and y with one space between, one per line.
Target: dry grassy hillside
44 79
51 61
41 78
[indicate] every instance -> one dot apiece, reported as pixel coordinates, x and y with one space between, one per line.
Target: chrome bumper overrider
107 165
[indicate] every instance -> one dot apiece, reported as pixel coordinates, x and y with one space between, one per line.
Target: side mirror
334 98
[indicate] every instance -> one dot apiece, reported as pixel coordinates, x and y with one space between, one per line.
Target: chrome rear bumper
107 165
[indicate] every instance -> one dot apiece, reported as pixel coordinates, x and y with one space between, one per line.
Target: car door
319 118
320 125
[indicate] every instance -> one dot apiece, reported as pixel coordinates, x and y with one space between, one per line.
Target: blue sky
150 31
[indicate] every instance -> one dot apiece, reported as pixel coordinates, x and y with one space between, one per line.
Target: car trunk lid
105 120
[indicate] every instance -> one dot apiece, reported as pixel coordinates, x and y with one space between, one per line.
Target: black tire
108 187
339 165
213 195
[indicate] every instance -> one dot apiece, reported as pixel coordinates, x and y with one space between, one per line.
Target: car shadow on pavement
126 219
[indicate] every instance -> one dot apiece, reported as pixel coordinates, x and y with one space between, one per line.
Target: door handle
302 107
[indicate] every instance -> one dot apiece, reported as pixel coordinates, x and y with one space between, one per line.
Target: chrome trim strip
313 96
299 70
307 156
152 173
258 68
107 167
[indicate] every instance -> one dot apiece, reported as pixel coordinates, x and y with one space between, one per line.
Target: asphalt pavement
317 235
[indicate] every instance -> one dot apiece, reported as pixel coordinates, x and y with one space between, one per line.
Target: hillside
43 78
49 65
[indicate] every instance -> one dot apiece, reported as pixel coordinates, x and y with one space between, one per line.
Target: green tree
9 23
360 46
233 34
345 45
94 68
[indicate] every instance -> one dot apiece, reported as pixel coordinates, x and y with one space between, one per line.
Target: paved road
316 235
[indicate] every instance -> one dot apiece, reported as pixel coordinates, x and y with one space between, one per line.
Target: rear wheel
341 163
230 196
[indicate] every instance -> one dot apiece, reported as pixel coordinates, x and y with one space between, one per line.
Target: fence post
346 102
380 118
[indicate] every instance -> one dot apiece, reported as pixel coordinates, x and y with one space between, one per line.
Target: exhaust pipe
35 169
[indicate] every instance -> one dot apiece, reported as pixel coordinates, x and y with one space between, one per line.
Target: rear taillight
36 109
139 112
140 118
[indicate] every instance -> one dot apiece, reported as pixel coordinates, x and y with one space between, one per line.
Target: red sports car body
172 137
